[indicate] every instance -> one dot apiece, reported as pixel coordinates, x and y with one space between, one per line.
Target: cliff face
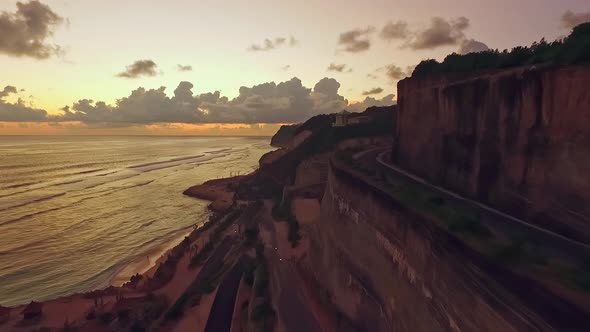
284 136
384 270
518 140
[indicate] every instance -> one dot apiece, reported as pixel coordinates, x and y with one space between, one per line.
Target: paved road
220 317
292 306
567 247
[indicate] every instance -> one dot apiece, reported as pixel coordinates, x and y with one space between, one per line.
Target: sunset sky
98 67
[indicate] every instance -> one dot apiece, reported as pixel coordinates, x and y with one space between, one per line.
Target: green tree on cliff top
574 49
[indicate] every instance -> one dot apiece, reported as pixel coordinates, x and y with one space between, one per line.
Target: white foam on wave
175 162
11 203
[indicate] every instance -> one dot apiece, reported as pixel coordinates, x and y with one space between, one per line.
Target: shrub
262 311
512 253
581 275
261 279
106 318
470 225
137 326
177 309
249 275
91 315
294 236
123 315
251 235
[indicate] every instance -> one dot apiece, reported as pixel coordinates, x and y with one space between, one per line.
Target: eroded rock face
384 270
518 140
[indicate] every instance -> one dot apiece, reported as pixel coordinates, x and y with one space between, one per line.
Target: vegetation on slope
511 249
574 49
283 212
284 135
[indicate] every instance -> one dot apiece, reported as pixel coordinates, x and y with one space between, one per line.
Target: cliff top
572 50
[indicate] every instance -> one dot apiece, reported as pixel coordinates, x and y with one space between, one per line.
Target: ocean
80 213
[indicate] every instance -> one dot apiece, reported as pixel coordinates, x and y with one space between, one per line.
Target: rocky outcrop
284 136
518 140
220 192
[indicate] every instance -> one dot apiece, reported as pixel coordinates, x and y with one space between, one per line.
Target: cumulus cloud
286 102
357 40
7 90
19 111
395 72
271 44
26 31
338 67
374 91
397 30
326 98
183 68
472 46
441 32
569 19
286 67
370 102
140 68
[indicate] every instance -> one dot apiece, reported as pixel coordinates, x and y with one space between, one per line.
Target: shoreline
217 192
142 266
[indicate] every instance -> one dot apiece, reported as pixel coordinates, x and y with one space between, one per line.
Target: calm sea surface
76 211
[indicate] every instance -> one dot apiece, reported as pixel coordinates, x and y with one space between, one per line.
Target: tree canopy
574 49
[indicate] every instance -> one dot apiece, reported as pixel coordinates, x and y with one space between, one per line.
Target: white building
341 119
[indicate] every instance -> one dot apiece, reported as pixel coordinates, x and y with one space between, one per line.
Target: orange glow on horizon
168 129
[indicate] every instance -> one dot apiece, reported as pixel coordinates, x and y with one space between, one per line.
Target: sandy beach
74 309
147 264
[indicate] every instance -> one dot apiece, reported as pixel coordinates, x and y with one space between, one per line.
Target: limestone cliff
387 254
518 140
387 269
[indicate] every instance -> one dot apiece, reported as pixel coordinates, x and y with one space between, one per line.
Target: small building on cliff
357 120
341 119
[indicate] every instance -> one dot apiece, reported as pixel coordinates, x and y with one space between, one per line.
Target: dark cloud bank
357 40
285 102
569 20
374 91
25 33
18 111
444 33
439 33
